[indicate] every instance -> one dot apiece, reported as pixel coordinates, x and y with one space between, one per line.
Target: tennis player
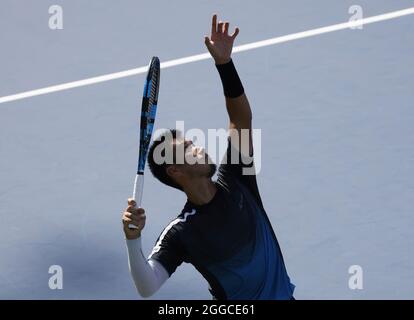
223 229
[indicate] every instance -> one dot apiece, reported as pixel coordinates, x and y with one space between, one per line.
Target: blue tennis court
335 112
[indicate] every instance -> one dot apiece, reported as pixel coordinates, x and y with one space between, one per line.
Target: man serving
223 229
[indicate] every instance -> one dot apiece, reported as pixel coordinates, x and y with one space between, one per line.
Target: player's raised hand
220 42
134 216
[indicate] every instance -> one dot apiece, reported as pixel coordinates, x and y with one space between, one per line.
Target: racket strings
148 111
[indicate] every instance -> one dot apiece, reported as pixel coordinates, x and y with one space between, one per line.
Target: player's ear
172 171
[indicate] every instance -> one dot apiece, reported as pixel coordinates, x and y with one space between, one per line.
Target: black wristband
232 85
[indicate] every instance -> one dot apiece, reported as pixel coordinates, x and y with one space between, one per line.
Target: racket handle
137 194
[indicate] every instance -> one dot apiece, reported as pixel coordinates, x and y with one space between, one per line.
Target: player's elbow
145 287
146 292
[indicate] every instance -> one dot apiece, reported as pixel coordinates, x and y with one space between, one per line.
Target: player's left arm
220 45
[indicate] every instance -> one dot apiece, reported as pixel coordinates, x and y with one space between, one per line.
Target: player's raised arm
220 45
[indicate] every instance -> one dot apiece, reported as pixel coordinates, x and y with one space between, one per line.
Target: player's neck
201 191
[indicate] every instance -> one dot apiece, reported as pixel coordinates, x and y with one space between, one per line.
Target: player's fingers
126 220
207 42
134 215
226 28
128 215
235 33
138 219
133 212
214 24
132 209
220 27
131 202
140 211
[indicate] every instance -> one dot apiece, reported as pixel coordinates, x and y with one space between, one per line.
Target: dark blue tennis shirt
229 240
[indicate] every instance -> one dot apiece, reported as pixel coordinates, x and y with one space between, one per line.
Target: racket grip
137 194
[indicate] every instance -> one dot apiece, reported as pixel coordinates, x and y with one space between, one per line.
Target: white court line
205 56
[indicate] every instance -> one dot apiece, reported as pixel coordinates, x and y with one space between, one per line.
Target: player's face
195 160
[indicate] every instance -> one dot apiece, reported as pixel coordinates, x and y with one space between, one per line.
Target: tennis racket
148 112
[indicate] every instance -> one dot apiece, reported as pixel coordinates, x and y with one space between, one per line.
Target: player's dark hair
159 171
